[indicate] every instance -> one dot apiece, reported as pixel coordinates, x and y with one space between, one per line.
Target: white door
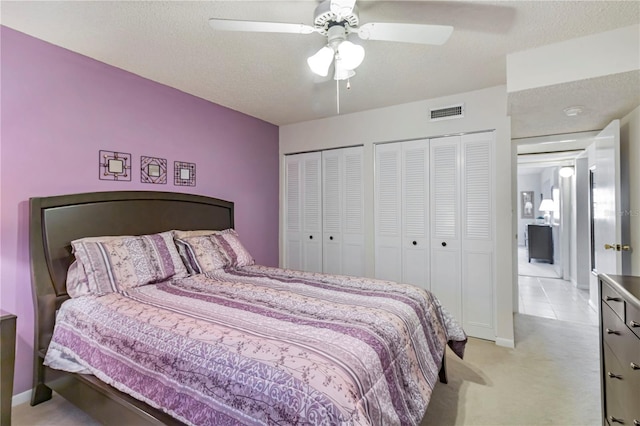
388 209
343 211
477 183
293 213
415 213
607 198
332 166
462 229
353 212
312 212
446 241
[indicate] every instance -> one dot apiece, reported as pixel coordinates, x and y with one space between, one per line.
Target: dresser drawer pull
615 420
613 299
634 324
636 422
610 331
635 366
614 376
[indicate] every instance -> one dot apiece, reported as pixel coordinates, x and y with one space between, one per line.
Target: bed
280 313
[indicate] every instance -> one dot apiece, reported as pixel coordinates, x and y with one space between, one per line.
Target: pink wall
60 108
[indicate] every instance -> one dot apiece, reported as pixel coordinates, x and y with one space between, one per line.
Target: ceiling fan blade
260 27
408 33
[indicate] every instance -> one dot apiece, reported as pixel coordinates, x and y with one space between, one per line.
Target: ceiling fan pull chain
338 96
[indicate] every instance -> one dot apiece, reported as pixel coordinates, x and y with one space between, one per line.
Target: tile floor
556 299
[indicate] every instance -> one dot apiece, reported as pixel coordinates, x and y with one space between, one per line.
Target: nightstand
7 361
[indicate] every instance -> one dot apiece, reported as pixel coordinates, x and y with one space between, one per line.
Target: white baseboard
507 343
21 398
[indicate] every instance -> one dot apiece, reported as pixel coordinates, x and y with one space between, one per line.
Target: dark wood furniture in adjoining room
620 349
7 362
540 240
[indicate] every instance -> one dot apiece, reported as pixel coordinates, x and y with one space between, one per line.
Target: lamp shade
566 171
351 55
546 205
321 61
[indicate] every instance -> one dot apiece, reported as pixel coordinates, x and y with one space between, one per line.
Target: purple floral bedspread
260 345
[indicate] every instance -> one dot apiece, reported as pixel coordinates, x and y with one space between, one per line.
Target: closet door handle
610 331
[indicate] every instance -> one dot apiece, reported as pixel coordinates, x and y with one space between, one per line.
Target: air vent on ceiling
447 113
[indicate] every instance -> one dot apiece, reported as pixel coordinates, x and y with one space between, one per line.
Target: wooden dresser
540 241
620 349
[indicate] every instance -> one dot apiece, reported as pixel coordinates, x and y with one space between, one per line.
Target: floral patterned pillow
201 254
227 242
77 282
112 265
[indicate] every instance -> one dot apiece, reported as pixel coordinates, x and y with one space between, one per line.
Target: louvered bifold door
477 235
332 170
353 212
445 223
415 213
312 212
293 212
388 211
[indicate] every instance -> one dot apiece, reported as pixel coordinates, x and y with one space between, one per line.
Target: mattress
260 345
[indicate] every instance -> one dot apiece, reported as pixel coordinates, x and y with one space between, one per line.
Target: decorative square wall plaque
114 166
153 170
184 174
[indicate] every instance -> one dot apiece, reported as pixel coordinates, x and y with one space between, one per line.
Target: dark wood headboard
58 220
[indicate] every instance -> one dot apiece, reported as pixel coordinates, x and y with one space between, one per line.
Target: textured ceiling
266 75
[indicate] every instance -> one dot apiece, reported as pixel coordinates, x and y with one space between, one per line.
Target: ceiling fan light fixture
351 55
321 61
342 73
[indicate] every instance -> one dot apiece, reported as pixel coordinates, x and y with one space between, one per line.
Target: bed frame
58 220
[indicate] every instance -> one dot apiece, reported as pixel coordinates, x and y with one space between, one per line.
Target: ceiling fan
337 19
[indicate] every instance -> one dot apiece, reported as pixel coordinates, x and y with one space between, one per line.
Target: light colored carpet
550 378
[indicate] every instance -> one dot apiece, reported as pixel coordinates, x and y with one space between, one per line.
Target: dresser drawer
613 299
620 339
622 387
633 319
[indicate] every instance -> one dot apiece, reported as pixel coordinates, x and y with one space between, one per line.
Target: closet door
388 211
446 279
303 222
415 213
293 212
332 205
477 235
352 212
312 212
462 229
